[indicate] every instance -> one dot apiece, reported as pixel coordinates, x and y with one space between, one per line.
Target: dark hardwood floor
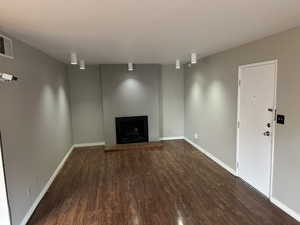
175 185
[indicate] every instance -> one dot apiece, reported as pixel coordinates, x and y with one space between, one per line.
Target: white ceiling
143 31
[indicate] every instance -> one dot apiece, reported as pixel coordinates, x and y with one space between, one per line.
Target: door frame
275 62
4 194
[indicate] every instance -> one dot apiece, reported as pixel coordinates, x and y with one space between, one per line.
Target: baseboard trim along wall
171 138
52 178
25 220
88 144
285 208
218 161
45 189
275 201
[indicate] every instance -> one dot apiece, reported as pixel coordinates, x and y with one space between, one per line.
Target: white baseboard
276 202
285 208
45 189
88 144
50 181
171 138
228 168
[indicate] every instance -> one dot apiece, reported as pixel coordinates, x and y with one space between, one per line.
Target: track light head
130 66
193 58
82 64
178 64
74 60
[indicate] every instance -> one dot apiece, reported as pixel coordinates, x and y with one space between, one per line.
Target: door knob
267 133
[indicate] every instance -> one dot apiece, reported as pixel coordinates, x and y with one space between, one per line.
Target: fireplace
132 129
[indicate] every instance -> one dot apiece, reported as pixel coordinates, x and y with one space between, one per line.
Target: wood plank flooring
176 185
136 146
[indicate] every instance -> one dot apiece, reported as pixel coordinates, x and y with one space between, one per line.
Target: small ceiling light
74 60
178 64
82 64
130 66
193 58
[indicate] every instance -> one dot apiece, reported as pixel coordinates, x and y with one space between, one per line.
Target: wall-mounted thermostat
6 47
4 77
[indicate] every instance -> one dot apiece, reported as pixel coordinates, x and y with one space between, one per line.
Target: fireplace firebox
132 129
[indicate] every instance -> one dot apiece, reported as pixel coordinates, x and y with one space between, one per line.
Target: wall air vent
6 47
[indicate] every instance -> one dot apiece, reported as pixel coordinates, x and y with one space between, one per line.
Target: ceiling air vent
6 47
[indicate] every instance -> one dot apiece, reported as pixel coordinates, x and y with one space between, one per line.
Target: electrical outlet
196 135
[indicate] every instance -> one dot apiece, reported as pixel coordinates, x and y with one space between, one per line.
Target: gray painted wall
130 94
211 106
86 99
35 123
35 118
172 101
86 104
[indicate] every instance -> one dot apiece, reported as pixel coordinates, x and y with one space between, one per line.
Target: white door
256 124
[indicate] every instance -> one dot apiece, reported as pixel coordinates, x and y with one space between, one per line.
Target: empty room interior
150 112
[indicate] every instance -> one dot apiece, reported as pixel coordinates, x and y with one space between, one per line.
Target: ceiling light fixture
193 58
74 60
130 66
178 64
82 64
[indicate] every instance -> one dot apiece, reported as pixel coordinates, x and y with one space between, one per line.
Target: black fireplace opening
132 129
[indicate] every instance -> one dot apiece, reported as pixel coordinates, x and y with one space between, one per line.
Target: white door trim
275 62
4 205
